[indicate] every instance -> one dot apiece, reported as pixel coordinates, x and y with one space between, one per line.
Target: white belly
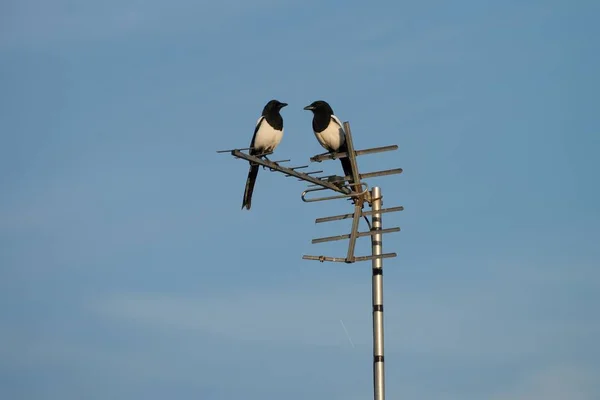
267 138
332 138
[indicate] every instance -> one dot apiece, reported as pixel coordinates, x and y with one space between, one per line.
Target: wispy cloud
473 320
473 324
289 315
559 382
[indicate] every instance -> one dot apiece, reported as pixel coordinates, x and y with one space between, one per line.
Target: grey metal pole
376 249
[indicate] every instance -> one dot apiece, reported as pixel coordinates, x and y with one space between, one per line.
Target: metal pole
377 263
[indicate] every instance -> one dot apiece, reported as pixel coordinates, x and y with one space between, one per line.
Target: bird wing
260 120
337 121
346 164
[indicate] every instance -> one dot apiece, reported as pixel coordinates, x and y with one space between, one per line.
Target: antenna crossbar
356 259
364 213
358 234
333 156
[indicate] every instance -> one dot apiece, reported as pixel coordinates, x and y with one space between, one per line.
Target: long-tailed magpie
267 135
330 132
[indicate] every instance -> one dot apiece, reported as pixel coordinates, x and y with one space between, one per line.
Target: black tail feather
347 166
252 174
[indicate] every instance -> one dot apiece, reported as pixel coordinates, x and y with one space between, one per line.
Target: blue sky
128 270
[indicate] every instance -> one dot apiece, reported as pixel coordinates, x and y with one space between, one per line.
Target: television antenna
351 187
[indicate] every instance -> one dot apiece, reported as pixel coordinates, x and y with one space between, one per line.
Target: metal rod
368 174
377 291
331 178
359 234
345 216
340 259
231 151
289 171
338 196
381 173
347 193
354 231
329 156
352 156
377 173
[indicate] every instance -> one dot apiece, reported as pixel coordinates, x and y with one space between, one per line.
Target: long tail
347 167
252 174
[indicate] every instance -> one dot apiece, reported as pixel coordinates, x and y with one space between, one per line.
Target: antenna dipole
361 195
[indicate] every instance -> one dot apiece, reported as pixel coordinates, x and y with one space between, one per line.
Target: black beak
309 108
281 105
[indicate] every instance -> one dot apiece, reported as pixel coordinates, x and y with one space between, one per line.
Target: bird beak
282 105
309 108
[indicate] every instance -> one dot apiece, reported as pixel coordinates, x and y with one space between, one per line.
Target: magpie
267 135
330 132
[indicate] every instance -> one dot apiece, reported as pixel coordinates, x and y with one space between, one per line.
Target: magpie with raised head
267 135
330 132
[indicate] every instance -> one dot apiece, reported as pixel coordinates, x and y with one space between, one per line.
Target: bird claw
267 158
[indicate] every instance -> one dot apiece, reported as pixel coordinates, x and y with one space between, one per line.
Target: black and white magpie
267 135
330 132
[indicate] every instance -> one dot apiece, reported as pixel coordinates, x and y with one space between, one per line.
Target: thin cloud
558 382
476 320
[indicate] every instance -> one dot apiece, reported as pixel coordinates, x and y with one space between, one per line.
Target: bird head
273 106
319 106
